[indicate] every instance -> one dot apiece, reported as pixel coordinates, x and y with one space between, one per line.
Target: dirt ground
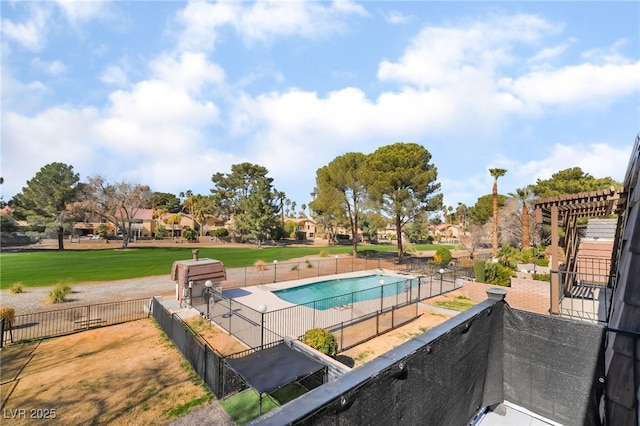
122 374
369 350
131 373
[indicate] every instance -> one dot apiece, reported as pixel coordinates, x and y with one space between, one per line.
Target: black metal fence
351 333
205 360
584 295
255 328
311 268
40 325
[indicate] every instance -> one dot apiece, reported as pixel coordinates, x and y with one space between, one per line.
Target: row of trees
397 183
517 227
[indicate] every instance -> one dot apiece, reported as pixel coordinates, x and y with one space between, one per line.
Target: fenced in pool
257 316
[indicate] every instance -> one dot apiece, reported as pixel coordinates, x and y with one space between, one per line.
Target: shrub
59 293
8 315
498 274
16 288
443 256
541 277
479 271
324 253
542 262
322 341
309 264
526 256
189 233
221 232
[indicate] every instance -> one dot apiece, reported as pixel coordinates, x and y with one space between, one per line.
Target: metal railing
40 325
276 271
584 295
256 329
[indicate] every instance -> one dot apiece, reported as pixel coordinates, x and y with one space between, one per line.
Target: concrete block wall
527 295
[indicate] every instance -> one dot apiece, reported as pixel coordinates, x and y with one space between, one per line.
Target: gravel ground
34 299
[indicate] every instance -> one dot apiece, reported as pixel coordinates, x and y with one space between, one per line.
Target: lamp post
190 293
441 271
381 294
275 270
262 309
207 291
336 263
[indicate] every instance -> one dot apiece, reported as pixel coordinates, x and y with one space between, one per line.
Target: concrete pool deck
255 296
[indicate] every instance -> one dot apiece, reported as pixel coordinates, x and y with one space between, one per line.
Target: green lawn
42 268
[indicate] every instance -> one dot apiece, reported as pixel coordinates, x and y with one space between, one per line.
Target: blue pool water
344 291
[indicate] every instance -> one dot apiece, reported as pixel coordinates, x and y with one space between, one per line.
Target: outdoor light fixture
336 263
275 270
190 292
208 285
441 271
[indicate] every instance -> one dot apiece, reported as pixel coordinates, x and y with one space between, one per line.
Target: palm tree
496 173
281 196
523 195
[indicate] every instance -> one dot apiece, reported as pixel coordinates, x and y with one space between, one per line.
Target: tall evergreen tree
401 181
342 178
48 194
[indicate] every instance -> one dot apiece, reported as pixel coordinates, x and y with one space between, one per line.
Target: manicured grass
43 268
245 406
460 303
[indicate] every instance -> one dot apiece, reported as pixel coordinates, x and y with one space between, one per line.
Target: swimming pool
344 291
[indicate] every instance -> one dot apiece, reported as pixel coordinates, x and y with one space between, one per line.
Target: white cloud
598 159
30 34
77 12
115 75
446 56
261 21
53 67
190 71
577 85
549 53
395 17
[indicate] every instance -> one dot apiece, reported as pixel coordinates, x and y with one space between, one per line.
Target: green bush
479 271
324 253
221 232
322 341
542 262
498 274
541 277
59 293
443 256
526 256
189 233
16 288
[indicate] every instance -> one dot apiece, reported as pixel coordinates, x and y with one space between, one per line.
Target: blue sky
169 93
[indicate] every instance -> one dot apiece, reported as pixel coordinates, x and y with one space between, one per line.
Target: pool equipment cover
274 367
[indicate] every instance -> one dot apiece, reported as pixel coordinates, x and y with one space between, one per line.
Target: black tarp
274 367
553 366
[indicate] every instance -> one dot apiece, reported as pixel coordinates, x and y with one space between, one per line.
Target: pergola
564 211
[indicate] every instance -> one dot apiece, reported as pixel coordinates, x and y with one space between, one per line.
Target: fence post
88 316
